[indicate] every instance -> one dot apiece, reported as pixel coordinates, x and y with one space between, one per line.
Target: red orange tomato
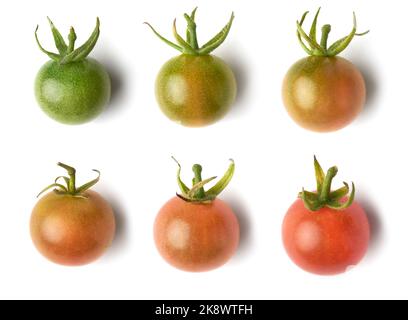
196 237
195 231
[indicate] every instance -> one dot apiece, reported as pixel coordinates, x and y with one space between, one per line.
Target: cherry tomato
324 92
71 226
71 88
196 89
326 242
196 236
326 233
195 231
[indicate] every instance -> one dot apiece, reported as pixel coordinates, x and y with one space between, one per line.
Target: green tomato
195 90
72 88
73 93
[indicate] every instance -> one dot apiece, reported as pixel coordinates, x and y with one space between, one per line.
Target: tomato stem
198 169
70 182
326 187
72 177
68 53
325 36
190 46
197 193
309 41
324 197
192 30
72 37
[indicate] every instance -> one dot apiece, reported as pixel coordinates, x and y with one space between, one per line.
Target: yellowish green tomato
196 88
71 88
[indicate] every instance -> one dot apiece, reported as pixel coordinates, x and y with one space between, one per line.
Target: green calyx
321 49
67 52
324 197
197 193
190 44
70 183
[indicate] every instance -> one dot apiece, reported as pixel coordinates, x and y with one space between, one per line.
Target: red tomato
326 232
328 241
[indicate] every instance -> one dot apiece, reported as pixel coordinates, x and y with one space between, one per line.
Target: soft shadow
362 61
240 69
122 234
118 82
116 77
245 224
376 226
370 77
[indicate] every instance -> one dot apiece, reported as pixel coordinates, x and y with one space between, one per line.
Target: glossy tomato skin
324 93
326 242
195 90
196 237
72 231
73 93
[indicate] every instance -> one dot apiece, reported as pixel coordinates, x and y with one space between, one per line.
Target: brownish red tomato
72 226
326 233
324 92
195 231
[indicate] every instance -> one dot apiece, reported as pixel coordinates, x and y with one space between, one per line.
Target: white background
131 143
